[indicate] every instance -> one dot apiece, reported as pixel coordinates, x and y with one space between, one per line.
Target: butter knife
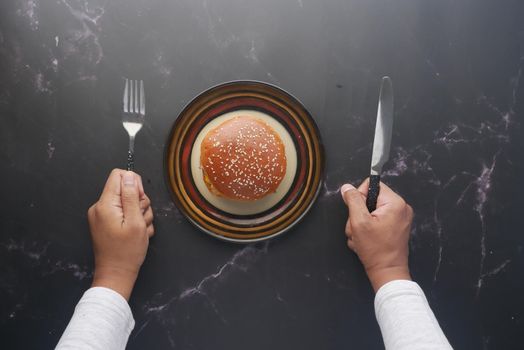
382 141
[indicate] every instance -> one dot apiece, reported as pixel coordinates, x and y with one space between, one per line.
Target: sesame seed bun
243 159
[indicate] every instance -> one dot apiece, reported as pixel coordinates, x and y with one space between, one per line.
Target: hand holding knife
382 141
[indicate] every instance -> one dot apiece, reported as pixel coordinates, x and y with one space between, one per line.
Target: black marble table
457 157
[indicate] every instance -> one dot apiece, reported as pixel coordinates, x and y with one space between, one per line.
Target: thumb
353 199
130 196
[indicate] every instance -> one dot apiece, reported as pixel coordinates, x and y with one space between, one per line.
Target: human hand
121 223
380 239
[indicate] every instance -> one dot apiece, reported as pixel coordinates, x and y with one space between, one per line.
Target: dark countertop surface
457 158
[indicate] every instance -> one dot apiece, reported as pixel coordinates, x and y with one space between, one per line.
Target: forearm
102 320
405 318
380 276
119 280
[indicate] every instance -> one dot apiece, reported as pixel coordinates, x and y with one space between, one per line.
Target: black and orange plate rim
228 97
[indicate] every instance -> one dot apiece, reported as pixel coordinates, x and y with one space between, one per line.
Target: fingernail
346 188
129 179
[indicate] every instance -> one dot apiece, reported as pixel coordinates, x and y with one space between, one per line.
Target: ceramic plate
240 221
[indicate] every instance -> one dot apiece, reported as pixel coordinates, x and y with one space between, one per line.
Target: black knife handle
373 190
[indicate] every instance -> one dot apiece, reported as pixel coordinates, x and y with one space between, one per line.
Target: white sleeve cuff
102 320
396 288
405 318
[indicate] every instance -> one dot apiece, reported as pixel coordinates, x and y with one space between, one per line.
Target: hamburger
243 159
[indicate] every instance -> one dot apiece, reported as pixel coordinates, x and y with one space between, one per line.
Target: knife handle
373 190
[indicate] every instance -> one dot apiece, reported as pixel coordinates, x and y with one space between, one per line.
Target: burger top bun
243 159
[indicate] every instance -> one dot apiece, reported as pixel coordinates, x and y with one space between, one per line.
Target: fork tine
136 97
131 88
132 100
126 96
142 99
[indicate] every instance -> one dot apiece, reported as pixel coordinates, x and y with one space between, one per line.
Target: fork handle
131 154
130 160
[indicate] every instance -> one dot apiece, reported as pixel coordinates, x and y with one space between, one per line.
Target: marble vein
89 34
418 160
483 183
29 10
36 255
327 192
48 265
165 312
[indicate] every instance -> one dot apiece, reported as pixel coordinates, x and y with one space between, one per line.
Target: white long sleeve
405 318
102 320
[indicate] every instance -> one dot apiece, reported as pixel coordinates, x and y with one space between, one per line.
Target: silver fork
133 115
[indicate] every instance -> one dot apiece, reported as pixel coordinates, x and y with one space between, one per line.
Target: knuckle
400 206
138 225
356 224
149 220
359 223
353 194
130 194
348 229
98 208
91 211
115 171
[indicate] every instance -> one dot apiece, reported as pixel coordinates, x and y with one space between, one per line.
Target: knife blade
382 141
